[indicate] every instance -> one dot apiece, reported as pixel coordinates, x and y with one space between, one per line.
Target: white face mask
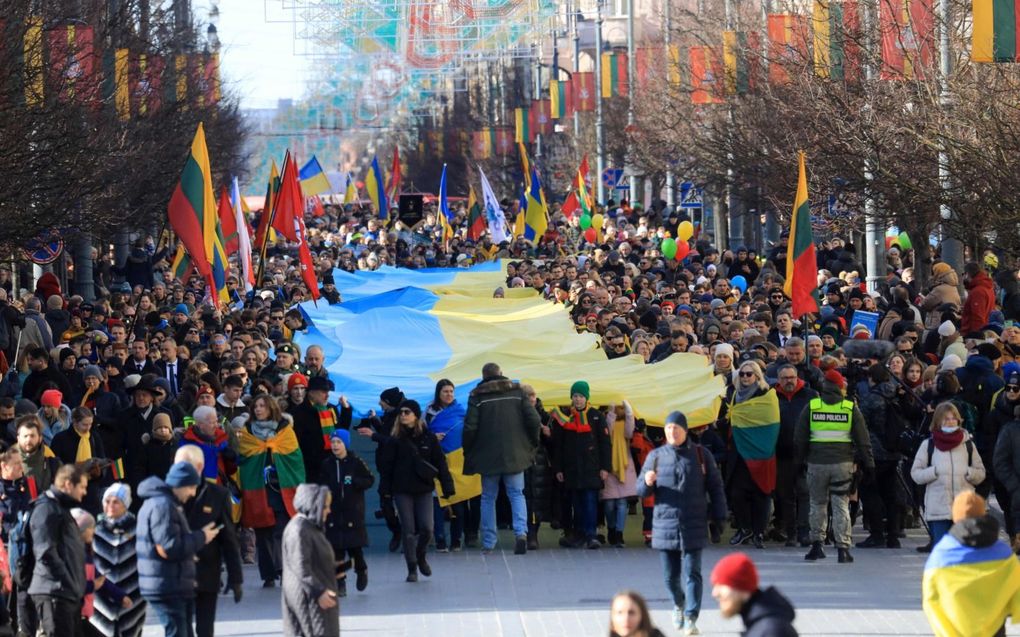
949 430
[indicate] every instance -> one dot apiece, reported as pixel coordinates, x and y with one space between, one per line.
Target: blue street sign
691 196
611 178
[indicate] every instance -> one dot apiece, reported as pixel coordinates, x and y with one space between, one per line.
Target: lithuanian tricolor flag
614 75
755 428
283 453
522 127
559 99
836 29
476 216
801 265
993 35
192 208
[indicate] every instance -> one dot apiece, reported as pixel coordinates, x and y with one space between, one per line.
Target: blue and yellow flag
450 423
313 178
536 219
755 428
969 590
376 185
351 191
446 216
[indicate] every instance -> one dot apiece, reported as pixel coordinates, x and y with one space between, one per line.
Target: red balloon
589 235
682 250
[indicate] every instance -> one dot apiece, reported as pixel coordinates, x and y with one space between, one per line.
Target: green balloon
668 248
585 222
904 241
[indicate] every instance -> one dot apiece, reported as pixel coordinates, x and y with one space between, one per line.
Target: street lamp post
600 149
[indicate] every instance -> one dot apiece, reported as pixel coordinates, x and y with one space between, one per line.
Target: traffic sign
691 196
611 178
41 253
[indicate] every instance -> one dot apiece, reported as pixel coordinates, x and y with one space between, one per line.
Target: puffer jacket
500 429
57 547
538 479
979 304
162 523
688 485
947 476
884 421
945 289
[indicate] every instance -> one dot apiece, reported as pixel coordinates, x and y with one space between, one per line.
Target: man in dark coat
315 418
500 436
791 485
766 613
582 460
881 410
42 372
211 504
1007 471
348 477
167 547
688 489
58 580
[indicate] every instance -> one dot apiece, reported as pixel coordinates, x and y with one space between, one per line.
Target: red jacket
979 304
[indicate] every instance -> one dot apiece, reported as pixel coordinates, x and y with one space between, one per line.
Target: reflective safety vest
831 423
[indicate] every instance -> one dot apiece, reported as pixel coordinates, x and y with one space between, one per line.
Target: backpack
970 451
19 551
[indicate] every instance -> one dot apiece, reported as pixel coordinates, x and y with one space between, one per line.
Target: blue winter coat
687 487
161 521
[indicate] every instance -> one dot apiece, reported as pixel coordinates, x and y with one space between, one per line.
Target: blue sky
257 57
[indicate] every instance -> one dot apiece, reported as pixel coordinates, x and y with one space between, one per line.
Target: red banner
584 91
73 64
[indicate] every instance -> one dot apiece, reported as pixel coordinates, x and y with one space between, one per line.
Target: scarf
621 450
947 442
264 429
84 447
576 422
740 393
327 421
88 400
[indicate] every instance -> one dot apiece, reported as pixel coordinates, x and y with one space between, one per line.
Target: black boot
395 542
341 587
423 565
532 537
845 557
362 581
816 552
873 541
412 572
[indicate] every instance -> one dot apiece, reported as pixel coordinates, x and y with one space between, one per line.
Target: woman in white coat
947 464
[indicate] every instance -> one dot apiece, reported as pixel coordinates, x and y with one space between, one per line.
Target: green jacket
858 450
500 429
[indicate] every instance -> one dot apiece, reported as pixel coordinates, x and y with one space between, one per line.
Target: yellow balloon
685 230
596 222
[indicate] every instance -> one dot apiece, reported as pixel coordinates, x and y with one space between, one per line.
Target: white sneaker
691 629
678 618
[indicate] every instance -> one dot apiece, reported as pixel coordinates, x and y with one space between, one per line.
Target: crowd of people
153 443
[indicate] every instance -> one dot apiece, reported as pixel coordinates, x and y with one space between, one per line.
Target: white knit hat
724 349
947 329
950 363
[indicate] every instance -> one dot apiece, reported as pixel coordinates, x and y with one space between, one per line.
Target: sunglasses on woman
404 412
746 374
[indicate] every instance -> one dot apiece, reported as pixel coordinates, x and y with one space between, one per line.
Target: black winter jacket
579 456
347 479
768 614
397 458
307 428
57 547
885 424
1007 460
212 504
790 408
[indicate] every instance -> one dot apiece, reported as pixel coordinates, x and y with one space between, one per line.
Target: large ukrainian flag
410 328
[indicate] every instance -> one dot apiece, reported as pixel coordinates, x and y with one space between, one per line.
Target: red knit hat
51 398
834 377
737 571
297 378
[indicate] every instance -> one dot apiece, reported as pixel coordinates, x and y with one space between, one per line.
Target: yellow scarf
84 448
621 451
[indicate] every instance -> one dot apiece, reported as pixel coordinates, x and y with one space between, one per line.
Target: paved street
557 592
560 592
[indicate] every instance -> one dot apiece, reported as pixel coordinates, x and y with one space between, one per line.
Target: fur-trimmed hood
496 385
